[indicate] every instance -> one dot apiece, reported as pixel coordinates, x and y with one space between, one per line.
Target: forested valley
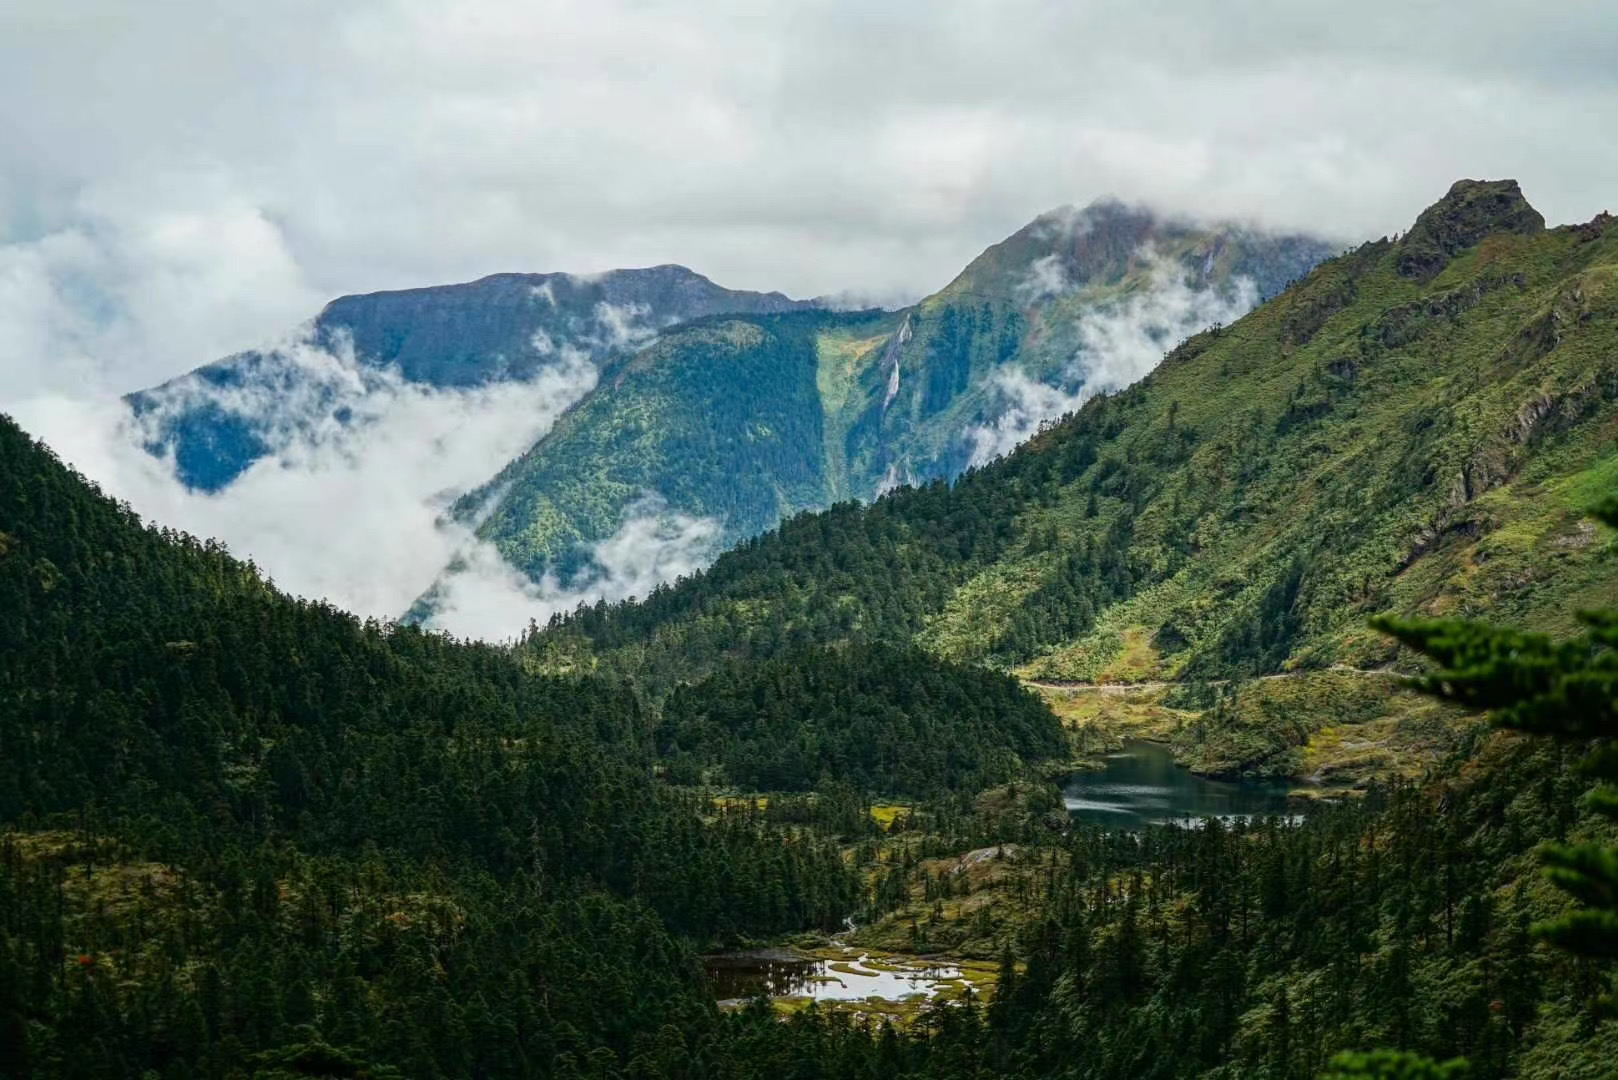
244 835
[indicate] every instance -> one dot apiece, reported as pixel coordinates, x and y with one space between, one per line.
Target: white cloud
1046 277
145 281
347 511
484 596
1026 404
892 479
621 326
811 146
858 300
1119 343
353 510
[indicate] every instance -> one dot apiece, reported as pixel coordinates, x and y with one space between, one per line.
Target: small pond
780 973
1141 785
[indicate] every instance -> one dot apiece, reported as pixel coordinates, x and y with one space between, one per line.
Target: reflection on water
1141 785
778 973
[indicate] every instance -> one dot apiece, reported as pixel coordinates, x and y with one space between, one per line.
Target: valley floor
1330 732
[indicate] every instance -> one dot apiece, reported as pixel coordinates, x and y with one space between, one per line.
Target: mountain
1078 299
746 420
1415 427
244 835
734 409
219 419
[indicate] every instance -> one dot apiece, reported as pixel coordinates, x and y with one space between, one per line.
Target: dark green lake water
1141 785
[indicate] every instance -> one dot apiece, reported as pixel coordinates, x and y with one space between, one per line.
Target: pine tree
1391 1065
1567 690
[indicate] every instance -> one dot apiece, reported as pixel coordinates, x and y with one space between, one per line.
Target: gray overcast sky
182 179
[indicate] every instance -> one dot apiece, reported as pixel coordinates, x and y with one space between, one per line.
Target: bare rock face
1592 229
1472 210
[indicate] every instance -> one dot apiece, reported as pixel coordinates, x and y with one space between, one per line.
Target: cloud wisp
1122 343
1119 343
482 595
1026 403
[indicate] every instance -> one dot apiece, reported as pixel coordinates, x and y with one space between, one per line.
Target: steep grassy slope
1375 439
1078 297
721 419
1416 426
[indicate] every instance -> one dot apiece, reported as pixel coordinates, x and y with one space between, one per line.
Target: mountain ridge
1365 442
500 327
669 366
889 396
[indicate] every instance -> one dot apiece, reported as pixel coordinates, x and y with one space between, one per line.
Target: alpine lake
1141 785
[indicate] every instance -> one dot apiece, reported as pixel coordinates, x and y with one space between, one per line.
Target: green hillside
722 419
1416 427
229 818
244 836
749 419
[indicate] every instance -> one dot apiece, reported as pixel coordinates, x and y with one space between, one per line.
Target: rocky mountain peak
1470 211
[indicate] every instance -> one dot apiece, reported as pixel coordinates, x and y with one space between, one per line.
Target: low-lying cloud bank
1118 345
350 501
350 504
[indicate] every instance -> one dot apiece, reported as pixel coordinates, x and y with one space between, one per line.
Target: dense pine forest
884 720
244 835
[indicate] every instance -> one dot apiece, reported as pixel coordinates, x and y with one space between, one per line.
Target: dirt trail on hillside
1120 689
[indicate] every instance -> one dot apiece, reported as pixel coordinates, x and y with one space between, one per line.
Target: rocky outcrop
1400 325
1496 461
1472 210
1310 308
1594 228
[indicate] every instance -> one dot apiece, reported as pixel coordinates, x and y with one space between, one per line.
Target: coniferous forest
244 835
